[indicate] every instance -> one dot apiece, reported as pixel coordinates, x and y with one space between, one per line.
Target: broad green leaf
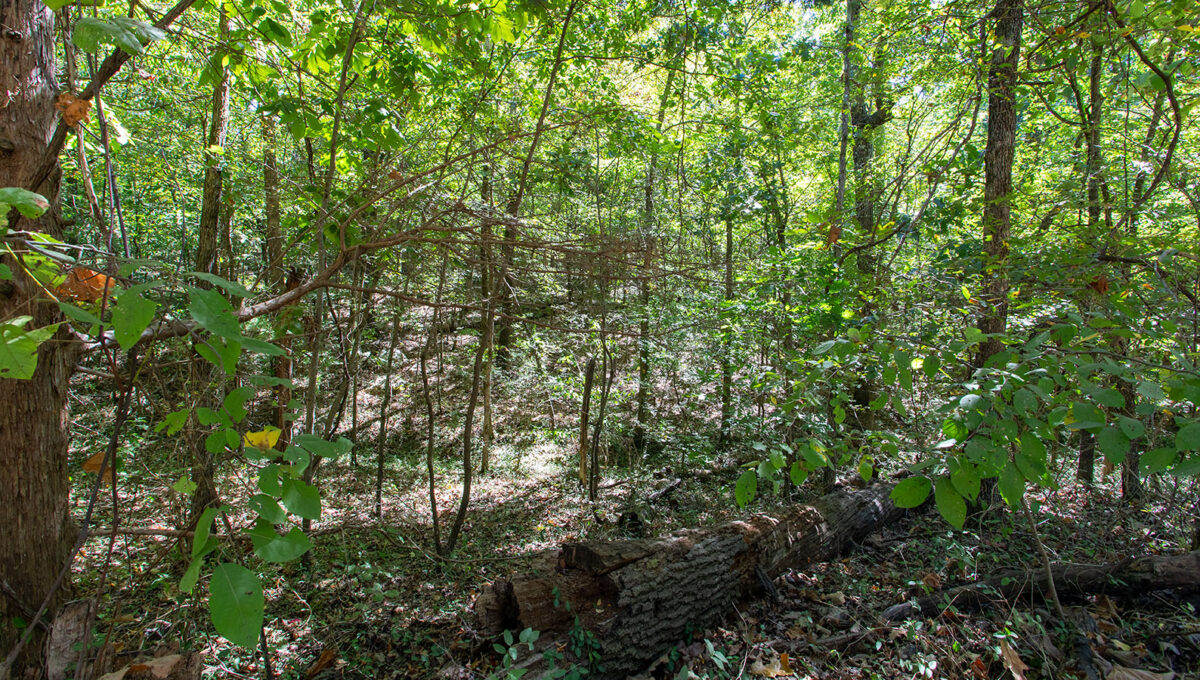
1189 467
965 478
268 480
301 498
214 314
1113 444
132 314
1085 416
798 473
267 508
911 492
235 403
91 33
272 547
1025 401
950 503
746 488
27 203
1151 391
1158 460
1188 437
1132 427
236 603
1012 485
144 32
18 347
866 468
931 365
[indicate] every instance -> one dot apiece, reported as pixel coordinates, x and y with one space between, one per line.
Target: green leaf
1188 437
184 486
1151 391
18 347
1153 462
1132 427
202 542
746 488
911 492
931 365
214 314
144 32
78 314
318 446
272 547
798 473
233 287
236 603
966 480
90 33
262 347
29 204
268 480
866 467
950 503
1189 467
235 402
268 509
1012 485
301 498
173 422
1086 416
1113 444
132 314
1025 401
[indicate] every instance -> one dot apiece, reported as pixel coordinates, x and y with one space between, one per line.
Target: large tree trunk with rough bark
640 597
998 164
35 529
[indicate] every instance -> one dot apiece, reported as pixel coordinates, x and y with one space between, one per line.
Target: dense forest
566 338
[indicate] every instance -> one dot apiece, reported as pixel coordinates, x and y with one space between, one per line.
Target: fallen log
637 598
1153 572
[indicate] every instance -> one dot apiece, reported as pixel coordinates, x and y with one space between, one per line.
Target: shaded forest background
369 298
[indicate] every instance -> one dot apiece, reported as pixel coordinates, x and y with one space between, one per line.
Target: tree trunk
640 597
36 533
584 412
207 244
998 162
1144 574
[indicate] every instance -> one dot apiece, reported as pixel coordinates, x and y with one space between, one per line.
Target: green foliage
19 347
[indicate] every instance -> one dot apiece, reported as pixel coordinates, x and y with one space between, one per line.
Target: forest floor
374 601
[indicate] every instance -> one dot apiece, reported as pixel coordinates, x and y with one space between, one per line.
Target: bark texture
640 597
998 162
35 530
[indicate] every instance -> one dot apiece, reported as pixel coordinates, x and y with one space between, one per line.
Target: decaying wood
640 597
1154 572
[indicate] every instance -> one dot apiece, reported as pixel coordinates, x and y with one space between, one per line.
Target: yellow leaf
262 440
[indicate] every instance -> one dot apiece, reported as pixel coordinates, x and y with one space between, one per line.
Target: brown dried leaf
72 108
93 463
85 285
1012 661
